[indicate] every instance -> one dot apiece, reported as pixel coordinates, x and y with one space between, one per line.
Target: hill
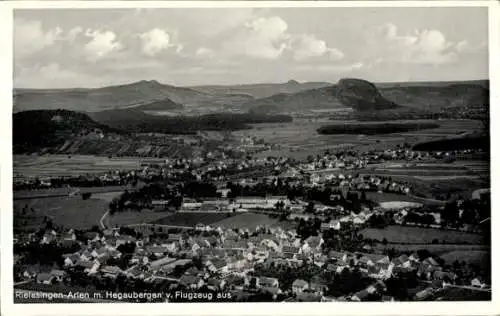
362 95
37 129
471 141
160 105
262 90
116 97
435 96
134 120
321 98
386 101
374 128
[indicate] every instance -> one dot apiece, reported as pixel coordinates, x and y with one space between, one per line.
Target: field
251 220
376 128
299 138
29 166
418 235
477 257
71 212
443 186
132 217
461 294
438 249
388 197
191 219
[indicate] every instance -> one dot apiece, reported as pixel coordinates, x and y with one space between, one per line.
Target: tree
310 208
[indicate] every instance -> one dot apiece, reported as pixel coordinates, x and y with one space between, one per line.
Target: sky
64 48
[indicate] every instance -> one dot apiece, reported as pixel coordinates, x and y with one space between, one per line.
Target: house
478 282
318 285
338 257
157 264
215 284
89 267
30 272
45 278
111 271
299 286
424 294
427 270
333 224
191 282
387 298
361 296
158 251
290 250
384 270
235 282
431 261
100 252
271 243
58 274
218 265
405 261
71 259
312 243
414 257
265 282
445 276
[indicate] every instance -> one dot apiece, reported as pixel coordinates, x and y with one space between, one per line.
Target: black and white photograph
250 154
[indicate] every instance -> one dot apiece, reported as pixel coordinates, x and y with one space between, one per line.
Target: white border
350 308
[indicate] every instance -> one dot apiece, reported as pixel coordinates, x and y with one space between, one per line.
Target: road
101 221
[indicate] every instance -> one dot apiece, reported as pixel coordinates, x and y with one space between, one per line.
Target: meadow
252 220
30 166
73 212
300 138
438 249
419 235
388 197
191 219
480 258
132 217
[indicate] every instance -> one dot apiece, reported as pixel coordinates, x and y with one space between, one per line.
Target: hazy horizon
244 84
88 48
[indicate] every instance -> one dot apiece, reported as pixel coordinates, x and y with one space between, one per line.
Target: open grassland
419 235
374 128
191 219
443 186
389 197
461 294
299 138
71 212
30 166
132 217
437 249
480 258
250 221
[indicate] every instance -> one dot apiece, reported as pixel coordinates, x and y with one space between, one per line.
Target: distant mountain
112 97
160 105
436 96
37 129
389 101
262 90
361 95
135 120
321 98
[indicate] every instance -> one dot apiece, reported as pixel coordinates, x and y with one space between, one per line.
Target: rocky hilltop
362 95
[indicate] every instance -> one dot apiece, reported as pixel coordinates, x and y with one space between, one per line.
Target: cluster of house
228 259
